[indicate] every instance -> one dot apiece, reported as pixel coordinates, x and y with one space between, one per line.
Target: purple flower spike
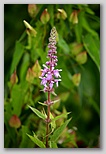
49 74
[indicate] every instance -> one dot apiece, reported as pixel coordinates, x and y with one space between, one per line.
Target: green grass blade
36 141
38 113
18 53
60 116
42 103
58 131
92 46
53 145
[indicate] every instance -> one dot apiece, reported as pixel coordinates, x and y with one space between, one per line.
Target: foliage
78 51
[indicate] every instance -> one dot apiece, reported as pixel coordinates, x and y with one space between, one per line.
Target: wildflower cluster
50 75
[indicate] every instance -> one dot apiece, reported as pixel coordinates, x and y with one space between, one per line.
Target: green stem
48 120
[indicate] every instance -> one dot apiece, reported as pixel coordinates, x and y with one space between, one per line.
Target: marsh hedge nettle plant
50 77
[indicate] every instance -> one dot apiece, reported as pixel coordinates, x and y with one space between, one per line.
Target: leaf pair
56 133
36 141
53 138
38 113
43 116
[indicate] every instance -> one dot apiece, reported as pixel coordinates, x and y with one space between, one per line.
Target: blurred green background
78 47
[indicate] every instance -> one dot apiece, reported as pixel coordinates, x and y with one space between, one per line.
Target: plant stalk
48 120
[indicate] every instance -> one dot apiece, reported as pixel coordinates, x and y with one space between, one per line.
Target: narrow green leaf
66 79
53 145
42 103
17 95
77 28
38 113
86 26
36 141
92 48
60 116
88 10
63 45
19 50
24 65
58 131
51 12
42 54
25 140
53 124
95 105
55 101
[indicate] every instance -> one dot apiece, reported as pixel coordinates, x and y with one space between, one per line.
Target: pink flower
56 73
56 81
49 76
51 84
44 81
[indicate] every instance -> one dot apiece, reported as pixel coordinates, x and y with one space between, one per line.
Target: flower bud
32 10
34 72
61 14
76 78
45 16
81 58
15 121
74 17
76 48
30 29
36 69
58 15
14 78
30 75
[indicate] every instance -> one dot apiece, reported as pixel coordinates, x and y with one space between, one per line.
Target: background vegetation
25 51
